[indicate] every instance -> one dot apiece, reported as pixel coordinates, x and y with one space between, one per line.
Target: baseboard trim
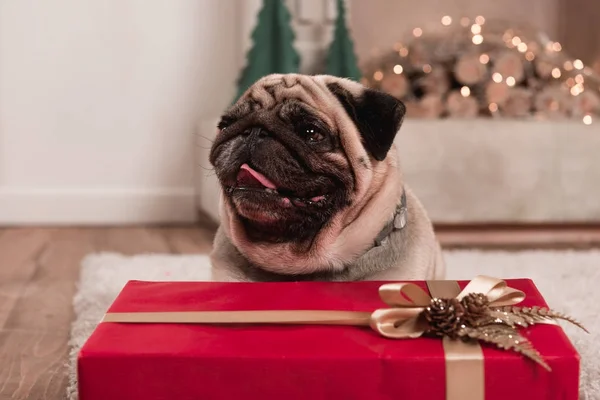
96 206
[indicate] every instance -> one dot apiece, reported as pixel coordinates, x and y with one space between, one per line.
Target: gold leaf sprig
505 337
526 316
472 318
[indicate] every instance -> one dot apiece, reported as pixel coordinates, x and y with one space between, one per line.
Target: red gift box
200 361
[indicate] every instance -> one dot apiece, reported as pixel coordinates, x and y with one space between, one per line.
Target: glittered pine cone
444 317
475 306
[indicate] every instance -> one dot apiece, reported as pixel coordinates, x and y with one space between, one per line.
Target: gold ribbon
464 361
465 377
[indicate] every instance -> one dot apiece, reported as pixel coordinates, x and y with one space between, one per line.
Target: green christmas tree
272 51
341 60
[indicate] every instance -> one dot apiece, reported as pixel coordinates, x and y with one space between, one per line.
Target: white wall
99 101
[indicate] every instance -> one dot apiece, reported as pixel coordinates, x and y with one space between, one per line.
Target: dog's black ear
377 115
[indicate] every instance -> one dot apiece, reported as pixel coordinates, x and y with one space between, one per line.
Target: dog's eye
225 122
313 135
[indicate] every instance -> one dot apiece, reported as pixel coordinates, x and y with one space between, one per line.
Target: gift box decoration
484 339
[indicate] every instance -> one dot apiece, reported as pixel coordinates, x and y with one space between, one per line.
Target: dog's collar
397 223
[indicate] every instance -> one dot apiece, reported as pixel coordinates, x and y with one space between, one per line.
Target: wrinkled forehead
287 95
274 89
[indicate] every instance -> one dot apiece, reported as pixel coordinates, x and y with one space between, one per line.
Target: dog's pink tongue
247 172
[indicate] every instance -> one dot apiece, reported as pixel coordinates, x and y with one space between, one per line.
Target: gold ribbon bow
409 301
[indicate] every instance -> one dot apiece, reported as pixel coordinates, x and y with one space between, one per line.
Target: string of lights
473 68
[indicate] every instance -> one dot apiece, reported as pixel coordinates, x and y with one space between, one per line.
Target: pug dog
312 187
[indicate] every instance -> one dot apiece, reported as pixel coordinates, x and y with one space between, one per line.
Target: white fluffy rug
567 279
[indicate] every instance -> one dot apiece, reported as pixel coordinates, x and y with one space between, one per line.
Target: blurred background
108 108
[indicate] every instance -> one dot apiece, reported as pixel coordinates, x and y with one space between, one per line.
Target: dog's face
287 152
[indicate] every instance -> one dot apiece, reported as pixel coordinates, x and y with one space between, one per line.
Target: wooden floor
38 271
39 268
